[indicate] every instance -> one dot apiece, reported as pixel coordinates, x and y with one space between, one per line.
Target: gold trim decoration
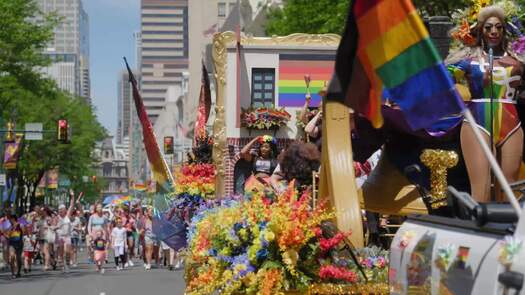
219 54
438 161
340 289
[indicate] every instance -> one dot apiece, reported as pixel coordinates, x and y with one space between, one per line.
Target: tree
303 16
329 16
26 95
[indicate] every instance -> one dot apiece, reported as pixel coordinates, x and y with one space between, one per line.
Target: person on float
264 161
471 65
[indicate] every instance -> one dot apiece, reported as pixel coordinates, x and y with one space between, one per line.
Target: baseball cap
62 206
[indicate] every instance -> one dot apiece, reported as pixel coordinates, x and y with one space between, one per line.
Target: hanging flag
12 152
203 111
52 178
387 51
139 187
161 173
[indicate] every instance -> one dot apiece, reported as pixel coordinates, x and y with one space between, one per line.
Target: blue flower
262 254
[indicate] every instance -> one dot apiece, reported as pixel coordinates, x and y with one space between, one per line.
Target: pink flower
338 273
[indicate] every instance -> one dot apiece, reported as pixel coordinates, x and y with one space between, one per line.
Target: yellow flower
269 236
290 257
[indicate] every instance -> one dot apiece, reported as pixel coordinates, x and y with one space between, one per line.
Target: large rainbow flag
161 172
386 51
293 67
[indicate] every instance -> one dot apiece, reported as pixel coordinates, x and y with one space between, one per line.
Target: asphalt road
84 280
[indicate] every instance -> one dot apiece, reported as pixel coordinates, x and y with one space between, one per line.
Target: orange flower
463 34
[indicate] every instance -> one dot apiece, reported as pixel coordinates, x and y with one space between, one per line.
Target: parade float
267 243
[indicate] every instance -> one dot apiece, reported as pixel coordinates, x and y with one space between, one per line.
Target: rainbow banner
386 51
293 67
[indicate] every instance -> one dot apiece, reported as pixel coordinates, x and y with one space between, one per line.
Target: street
84 280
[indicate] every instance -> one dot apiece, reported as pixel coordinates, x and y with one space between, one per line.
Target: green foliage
26 95
440 7
329 16
306 16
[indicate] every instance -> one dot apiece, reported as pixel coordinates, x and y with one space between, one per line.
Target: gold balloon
438 161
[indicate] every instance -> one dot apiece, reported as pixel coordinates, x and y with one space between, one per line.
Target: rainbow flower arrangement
264 118
196 180
266 244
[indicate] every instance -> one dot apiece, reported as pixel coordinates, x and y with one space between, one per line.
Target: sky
111 27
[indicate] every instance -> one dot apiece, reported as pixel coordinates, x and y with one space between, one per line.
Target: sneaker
102 271
148 266
126 264
118 268
179 264
74 265
130 263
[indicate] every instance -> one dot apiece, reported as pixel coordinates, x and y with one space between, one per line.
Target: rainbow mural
293 67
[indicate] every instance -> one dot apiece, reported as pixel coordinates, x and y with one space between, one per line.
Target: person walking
99 246
118 243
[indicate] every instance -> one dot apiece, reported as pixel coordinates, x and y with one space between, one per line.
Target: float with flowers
269 244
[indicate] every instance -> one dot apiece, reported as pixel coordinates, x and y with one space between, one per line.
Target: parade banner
161 172
293 67
12 152
52 178
386 51
203 111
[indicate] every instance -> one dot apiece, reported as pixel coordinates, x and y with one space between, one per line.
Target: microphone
491 60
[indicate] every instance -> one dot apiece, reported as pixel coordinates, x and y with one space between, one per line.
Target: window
221 9
263 81
231 6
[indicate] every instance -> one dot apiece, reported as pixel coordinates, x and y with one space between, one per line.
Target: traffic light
168 145
10 135
62 132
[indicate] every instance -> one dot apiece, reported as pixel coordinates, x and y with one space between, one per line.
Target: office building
164 50
69 49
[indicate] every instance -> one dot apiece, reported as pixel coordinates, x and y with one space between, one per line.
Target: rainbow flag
159 167
139 187
386 51
293 67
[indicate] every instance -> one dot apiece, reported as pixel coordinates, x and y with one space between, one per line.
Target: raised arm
245 152
304 111
311 128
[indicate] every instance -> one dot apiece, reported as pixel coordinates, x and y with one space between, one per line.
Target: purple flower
519 45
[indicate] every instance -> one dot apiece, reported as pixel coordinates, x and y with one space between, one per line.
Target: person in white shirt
76 231
63 230
118 243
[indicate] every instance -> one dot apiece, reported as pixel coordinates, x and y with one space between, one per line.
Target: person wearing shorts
16 246
150 241
29 250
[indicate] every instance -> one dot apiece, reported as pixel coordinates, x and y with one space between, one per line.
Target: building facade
112 165
164 50
69 47
125 106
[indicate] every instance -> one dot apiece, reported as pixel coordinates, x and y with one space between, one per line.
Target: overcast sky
111 24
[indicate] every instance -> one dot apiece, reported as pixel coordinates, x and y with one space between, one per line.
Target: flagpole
494 164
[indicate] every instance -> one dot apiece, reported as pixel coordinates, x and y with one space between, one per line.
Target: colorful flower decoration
256 246
510 248
264 118
267 139
196 180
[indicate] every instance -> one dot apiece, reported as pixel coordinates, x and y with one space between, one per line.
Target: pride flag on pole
387 51
161 172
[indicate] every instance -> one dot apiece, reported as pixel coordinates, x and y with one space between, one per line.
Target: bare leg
511 154
477 164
